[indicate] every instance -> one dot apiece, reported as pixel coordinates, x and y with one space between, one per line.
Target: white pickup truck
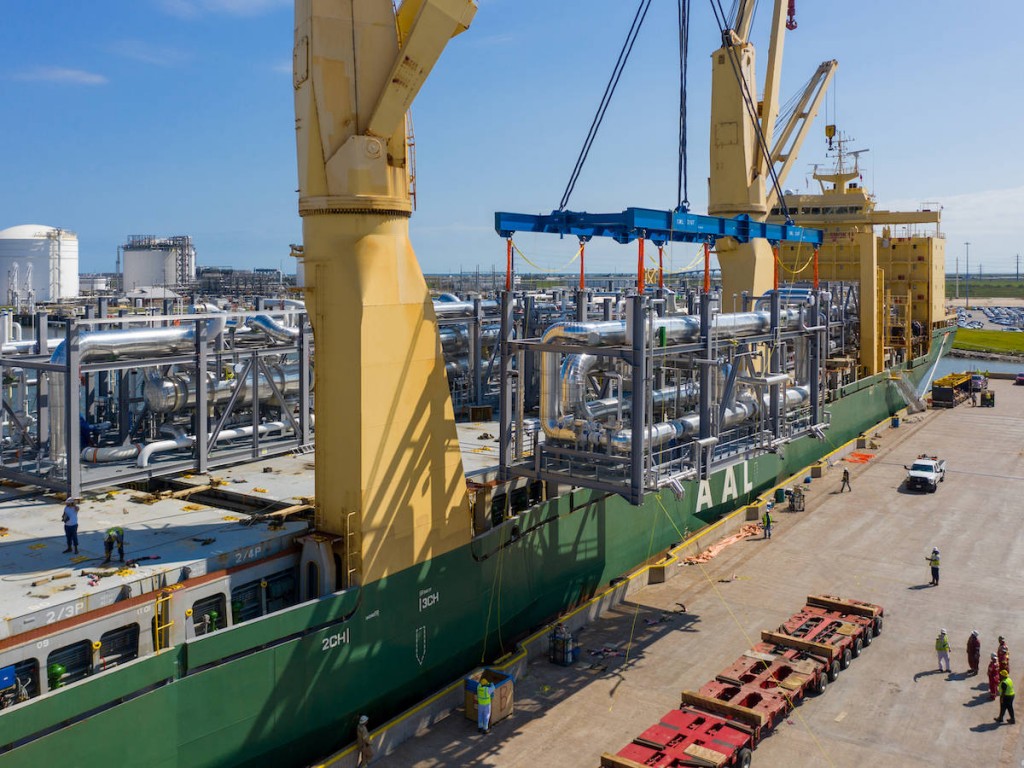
926 473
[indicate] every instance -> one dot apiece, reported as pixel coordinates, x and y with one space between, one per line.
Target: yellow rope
808 263
525 258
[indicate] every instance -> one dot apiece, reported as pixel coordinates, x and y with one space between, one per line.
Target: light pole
967 276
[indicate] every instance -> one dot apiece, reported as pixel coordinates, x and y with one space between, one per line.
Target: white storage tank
38 263
163 262
93 283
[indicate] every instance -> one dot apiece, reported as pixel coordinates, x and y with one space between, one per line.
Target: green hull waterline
287 689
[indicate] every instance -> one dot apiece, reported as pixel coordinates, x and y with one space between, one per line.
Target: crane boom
770 97
785 151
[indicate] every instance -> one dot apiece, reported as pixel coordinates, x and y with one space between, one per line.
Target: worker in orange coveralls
1003 653
993 678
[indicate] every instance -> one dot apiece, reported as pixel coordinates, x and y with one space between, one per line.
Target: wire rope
609 91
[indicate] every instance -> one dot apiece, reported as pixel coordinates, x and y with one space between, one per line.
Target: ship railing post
305 428
72 433
527 379
704 403
776 365
477 351
582 301
505 417
638 417
814 365
202 414
254 370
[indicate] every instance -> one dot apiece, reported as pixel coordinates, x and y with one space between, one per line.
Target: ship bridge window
69 664
209 614
119 646
246 602
19 682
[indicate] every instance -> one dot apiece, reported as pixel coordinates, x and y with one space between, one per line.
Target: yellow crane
748 162
390 487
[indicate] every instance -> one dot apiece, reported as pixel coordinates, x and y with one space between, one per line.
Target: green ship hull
286 689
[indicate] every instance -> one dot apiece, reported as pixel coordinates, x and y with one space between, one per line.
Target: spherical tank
149 267
39 260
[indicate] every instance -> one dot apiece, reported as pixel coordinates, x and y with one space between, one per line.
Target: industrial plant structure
157 261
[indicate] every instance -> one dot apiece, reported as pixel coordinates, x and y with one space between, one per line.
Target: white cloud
189 9
148 53
282 67
61 75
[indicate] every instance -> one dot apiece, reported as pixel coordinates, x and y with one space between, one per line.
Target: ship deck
168 532
891 707
171 534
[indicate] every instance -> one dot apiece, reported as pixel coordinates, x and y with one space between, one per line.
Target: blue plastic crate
7 678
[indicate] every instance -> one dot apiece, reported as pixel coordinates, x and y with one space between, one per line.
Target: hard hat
994 656
1001 638
1003 673
363 719
942 631
974 632
935 550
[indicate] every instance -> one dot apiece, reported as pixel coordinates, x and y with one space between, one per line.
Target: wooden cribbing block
848 629
609 760
786 641
842 606
719 707
704 757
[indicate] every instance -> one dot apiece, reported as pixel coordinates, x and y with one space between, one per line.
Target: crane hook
791 21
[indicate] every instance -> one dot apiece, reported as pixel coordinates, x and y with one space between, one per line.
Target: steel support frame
74 478
659 227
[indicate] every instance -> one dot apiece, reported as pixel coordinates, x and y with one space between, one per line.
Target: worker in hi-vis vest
484 694
1006 694
942 650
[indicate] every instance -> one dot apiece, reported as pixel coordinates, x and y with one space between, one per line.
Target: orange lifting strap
815 269
775 255
661 266
707 268
508 265
640 267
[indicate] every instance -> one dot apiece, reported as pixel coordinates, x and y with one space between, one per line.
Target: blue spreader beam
660 227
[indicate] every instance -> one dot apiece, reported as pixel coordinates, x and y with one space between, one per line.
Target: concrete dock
891 707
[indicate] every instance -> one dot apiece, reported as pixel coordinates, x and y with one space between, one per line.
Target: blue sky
175 117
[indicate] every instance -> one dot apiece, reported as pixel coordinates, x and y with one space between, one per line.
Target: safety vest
115 533
1006 687
766 520
483 694
934 561
942 643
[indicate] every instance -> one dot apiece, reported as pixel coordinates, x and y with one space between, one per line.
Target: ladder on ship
914 402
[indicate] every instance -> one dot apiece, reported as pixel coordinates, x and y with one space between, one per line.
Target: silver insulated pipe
109 346
177 391
566 382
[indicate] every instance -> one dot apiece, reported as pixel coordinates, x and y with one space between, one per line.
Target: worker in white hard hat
942 650
363 743
933 561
